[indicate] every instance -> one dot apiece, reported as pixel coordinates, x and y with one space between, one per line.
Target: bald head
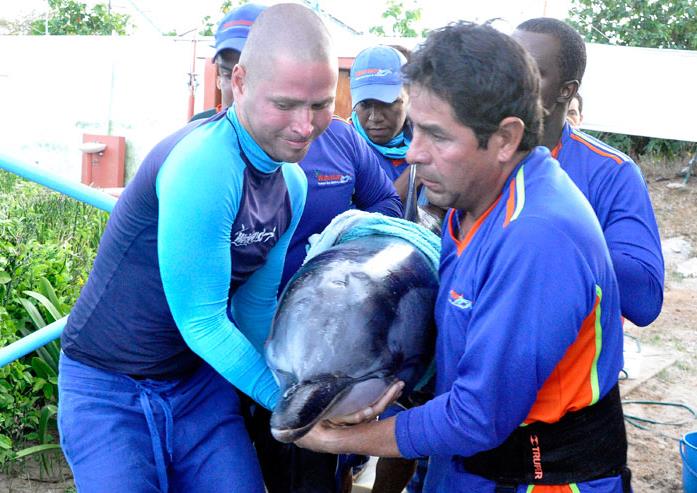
286 31
285 82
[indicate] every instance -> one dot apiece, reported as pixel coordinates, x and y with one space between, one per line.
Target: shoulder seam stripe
596 149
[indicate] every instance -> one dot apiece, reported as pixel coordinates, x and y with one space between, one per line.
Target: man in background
379 102
230 37
575 113
609 179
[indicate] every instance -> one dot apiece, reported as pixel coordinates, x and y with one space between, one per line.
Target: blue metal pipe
31 342
79 191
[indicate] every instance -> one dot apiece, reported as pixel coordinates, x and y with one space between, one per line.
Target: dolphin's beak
304 405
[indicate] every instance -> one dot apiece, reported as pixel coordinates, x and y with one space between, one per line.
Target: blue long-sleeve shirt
342 173
613 185
191 260
528 321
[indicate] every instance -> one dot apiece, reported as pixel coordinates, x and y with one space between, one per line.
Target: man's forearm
376 438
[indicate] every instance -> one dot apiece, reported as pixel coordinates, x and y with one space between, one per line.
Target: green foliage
401 21
642 23
636 146
647 23
73 17
47 244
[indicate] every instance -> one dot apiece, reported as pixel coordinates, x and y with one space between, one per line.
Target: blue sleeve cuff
407 433
641 292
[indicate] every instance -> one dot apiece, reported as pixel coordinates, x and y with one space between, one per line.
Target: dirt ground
653 454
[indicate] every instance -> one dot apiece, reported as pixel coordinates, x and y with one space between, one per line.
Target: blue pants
121 434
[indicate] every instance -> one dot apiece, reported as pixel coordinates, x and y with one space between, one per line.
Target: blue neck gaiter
395 149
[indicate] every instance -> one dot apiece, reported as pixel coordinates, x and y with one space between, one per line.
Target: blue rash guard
191 260
342 173
613 185
529 326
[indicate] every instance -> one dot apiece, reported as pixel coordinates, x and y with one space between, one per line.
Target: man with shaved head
180 298
342 172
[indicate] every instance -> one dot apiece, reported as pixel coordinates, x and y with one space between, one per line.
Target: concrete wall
55 88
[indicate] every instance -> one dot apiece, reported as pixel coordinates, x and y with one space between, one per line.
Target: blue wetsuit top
528 325
342 173
191 260
613 184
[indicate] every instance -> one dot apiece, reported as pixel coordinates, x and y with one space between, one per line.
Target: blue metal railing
78 191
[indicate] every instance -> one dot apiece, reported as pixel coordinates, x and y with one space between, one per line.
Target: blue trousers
122 434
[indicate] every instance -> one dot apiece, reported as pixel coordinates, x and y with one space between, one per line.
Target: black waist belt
587 444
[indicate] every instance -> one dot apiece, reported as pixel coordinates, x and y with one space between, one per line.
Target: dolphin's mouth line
288 435
368 376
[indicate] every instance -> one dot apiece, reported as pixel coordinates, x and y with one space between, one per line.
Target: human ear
507 137
238 81
567 91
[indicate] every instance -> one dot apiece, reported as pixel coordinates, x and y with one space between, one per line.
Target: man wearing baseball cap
380 109
230 37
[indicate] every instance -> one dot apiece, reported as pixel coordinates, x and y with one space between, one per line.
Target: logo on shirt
536 456
458 301
246 237
331 179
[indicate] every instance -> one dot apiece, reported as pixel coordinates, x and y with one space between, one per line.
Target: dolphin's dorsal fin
411 209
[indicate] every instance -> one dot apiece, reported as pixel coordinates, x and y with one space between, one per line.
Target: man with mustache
529 338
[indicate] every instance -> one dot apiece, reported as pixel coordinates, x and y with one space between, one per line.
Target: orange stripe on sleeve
593 148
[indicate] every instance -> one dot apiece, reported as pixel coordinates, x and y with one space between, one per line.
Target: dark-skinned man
610 180
379 102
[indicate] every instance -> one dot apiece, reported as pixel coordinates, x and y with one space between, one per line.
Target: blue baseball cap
234 28
376 73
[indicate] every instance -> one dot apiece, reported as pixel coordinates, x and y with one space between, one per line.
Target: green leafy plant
47 245
45 369
642 23
73 17
46 364
401 21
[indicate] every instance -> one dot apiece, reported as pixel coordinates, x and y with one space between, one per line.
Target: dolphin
352 321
